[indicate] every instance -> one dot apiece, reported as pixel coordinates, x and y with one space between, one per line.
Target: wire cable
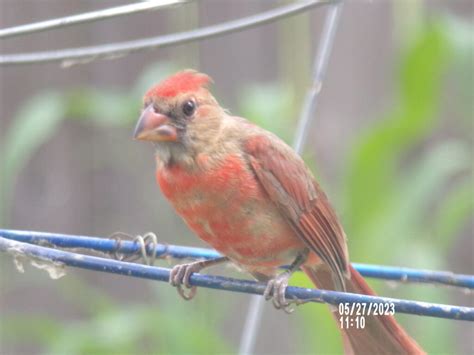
41 256
110 246
87 17
83 55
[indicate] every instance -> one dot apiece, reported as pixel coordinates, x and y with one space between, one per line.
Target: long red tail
380 334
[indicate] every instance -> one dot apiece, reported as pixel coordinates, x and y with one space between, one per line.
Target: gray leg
276 287
180 275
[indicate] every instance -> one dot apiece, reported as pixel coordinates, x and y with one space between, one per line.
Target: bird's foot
180 274
275 291
276 287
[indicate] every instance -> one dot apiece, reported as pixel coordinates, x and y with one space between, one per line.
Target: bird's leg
276 287
180 275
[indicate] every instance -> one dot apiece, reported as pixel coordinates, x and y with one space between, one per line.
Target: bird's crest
181 82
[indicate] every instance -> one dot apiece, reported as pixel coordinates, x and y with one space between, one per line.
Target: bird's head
180 115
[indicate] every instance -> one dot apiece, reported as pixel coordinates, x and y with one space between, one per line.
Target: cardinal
246 193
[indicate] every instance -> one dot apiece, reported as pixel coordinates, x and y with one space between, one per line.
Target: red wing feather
293 189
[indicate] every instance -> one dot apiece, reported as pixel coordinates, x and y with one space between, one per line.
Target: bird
250 196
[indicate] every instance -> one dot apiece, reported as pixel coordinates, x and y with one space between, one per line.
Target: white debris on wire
55 269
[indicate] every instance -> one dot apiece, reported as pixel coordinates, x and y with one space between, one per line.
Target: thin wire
87 17
48 258
249 334
252 321
82 55
319 73
129 247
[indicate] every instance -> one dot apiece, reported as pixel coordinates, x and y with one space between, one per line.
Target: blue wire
107 245
227 284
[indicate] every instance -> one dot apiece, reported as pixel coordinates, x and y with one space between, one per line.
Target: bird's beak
156 127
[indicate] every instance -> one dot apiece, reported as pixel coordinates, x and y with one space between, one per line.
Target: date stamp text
353 315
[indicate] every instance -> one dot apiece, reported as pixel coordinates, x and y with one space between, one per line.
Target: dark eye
189 107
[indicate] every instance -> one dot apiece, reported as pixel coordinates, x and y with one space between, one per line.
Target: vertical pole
255 312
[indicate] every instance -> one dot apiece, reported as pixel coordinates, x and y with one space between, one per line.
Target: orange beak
155 127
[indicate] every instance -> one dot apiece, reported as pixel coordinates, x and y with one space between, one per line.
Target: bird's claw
180 275
184 294
275 291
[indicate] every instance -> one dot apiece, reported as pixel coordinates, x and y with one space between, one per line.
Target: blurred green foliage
416 206
110 328
42 115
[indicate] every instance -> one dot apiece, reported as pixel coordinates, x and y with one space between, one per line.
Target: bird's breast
227 207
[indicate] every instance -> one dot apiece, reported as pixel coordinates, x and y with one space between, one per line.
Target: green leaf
167 328
40 330
454 212
408 214
104 108
371 178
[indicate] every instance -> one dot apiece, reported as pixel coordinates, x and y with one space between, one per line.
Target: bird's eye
189 107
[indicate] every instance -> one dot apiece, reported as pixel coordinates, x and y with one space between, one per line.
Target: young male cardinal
250 196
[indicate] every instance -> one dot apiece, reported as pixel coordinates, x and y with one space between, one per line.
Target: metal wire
110 246
13 241
88 17
251 326
321 59
57 258
110 51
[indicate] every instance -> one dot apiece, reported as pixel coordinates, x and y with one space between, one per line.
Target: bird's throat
170 154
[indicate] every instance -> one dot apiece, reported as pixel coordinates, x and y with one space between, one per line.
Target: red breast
226 206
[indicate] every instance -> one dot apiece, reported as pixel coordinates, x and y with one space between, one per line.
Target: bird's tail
375 334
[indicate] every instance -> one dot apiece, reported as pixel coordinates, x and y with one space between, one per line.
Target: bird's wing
290 185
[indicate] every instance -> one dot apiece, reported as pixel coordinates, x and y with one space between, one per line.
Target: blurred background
391 144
